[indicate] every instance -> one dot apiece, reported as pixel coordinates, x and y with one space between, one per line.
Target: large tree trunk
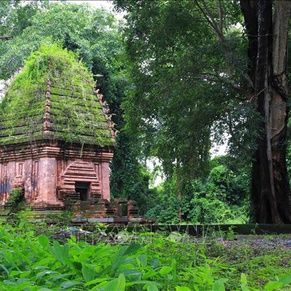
267 55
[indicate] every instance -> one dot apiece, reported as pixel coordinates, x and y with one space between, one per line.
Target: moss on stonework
73 111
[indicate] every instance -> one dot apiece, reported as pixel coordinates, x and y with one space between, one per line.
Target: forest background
175 75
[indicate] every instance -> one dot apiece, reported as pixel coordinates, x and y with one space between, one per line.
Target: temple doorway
83 189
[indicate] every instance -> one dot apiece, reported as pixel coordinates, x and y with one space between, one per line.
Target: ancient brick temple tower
56 137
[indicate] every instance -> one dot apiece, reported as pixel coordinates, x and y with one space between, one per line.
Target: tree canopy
189 74
203 67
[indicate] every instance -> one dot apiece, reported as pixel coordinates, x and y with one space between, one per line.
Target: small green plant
59 219
16 196
277 285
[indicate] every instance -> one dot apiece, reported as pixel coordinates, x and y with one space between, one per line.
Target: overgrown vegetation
16 200
220 197
74 112
140 261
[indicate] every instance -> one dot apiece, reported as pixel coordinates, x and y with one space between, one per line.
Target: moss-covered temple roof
53 97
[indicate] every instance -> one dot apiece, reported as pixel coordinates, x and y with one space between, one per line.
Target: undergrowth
31 260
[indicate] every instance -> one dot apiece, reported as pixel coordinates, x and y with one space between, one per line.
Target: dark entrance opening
83 189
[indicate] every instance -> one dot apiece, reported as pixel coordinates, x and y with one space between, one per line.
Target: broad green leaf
43 240
69 284
273 285
165 270
88 272
244 282
60 252
154 263
88 252
132 248
178 288
95 281
47 272
8 256
77 265
149 274
122 254
44 262
143 260
116 284
152 287
174 269
285 280
219 285
21 283
15 274
132 272
243 279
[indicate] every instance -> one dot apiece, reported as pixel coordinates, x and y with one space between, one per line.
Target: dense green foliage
147 261
90 33
79 266
221 197
188 79
126 165
15 17
188 63
15 199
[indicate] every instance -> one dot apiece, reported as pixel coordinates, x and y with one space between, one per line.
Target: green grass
259 265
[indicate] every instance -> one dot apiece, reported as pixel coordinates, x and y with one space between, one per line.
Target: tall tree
189 62
16 16
177 64
184 57
267 26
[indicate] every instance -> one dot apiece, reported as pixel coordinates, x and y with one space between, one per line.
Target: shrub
16 197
